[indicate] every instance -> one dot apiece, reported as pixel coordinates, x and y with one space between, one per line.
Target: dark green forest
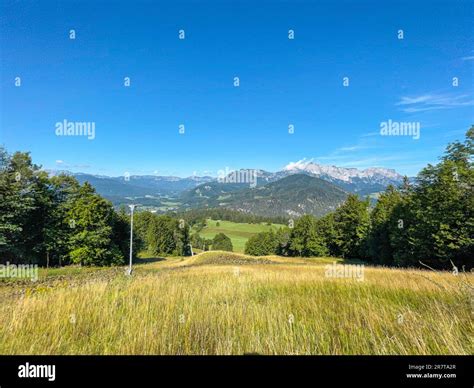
197 216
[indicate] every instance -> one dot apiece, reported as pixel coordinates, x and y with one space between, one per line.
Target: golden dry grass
222 303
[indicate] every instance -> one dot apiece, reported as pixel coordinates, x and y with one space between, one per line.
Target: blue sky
191 82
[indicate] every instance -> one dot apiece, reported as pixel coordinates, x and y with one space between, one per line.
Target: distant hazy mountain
141 184
149 188
168 192
290 196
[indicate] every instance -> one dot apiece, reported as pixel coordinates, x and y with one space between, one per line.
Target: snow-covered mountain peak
346 174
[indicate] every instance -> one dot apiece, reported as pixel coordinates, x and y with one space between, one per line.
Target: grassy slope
239 233
223 303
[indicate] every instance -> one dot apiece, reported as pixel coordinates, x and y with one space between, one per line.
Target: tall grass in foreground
283 307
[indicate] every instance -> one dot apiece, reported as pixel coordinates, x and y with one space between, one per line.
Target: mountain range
301 187
363 182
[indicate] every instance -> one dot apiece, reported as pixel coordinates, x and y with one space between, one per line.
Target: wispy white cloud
351 148
469 57
364 143
63 164
429 102
414 100
299 164
370 134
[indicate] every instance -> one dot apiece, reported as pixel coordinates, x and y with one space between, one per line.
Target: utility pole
132 208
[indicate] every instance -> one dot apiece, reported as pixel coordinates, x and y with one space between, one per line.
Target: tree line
162 234
55 221
220 242
429 221
199 216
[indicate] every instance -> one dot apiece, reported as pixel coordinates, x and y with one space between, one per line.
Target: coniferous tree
92 240
352 226
326 228
161 235
443 208
381 217
262 244
304 239
221 242
24 202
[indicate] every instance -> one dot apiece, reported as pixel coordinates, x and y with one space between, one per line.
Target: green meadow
218 303
239 233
